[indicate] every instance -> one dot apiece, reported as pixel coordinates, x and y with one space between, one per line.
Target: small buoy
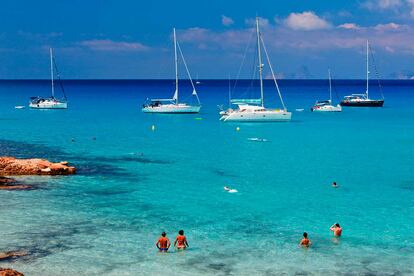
153 127
199 118
237 128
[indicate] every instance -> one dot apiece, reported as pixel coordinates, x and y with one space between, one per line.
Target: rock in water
14 166
9 272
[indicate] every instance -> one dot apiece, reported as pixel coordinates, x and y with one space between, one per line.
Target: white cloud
227 21
111 45
388 27
307 21
382 4
349 26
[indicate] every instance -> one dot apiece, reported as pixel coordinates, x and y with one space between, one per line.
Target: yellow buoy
153 127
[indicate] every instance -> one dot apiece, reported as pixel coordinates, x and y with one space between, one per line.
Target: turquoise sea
133 183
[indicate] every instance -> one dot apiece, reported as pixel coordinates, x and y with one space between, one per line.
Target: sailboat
173 105
51 102
363 99
253 110
326 106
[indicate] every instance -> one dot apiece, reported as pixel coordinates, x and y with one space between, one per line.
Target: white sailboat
173 105
326 106
253 110
363 100
51 102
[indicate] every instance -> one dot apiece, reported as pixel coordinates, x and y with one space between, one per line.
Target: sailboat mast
330 85
260 60
51 72
176 68
367 68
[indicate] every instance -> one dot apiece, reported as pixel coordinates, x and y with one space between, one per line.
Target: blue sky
132 39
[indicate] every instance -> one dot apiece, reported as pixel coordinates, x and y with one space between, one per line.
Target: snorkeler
163 243
181 241
305 242
336 229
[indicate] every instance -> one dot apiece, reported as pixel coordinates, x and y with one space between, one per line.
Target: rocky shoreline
14 166
10 166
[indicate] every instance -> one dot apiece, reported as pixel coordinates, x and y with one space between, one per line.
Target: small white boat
50 102
256 139
326 106
172 106
19 107
253 110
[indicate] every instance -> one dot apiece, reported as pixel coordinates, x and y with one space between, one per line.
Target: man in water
336 229
181 241
335 185
305 242
163 243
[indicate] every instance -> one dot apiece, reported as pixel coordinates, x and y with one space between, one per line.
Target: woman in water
181 241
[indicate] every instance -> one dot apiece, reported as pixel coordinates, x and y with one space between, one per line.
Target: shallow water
134 183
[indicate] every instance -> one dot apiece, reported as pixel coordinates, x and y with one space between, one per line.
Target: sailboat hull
326 108
364 103
262 116
172 109
48 104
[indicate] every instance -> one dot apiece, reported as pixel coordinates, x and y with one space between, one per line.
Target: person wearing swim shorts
181 241
163 243
305 242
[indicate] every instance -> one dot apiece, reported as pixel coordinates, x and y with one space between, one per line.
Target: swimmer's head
337 225
334 183
305 235
181 232
163 234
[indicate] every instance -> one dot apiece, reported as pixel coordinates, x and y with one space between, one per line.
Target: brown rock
12 254
11 184
14 166
9 272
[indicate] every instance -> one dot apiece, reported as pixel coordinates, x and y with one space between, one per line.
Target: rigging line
58 77
244 59
273 74
188 73
377 74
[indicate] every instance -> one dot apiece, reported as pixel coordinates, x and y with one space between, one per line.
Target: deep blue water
134 183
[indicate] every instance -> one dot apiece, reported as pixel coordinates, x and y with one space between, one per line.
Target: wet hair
163 234
337 225
305 235
181 232
334 183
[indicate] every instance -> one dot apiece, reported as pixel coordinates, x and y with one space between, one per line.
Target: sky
132 39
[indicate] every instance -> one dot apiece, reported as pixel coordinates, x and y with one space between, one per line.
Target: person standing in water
305 242
336 229
181 241
163 243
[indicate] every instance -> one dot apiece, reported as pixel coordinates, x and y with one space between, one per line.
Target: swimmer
181 241
335 185
336 229
163 243
305 242
226 188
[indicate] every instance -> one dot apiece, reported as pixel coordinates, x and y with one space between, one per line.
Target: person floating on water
335 185
336 229
163 243
305 242
181 241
